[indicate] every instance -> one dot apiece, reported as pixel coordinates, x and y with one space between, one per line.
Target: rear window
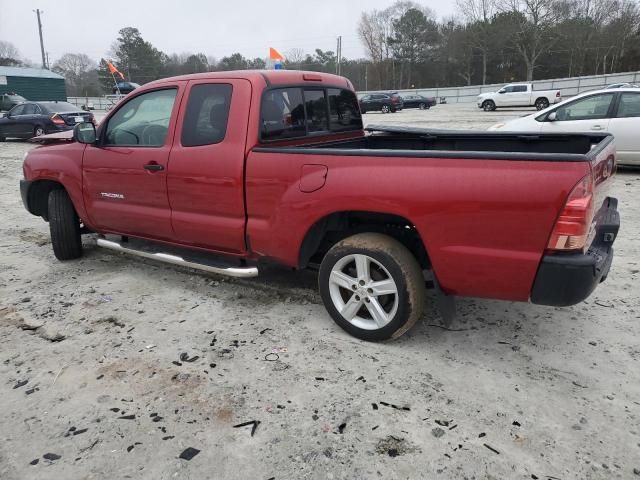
59 107
296 112
344 113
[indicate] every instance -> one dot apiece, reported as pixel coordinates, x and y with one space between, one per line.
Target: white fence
97 103
568 87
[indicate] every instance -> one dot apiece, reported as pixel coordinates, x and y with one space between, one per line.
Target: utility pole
338 54
44 58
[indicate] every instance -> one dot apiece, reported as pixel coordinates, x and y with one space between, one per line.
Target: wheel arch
38 196
336 226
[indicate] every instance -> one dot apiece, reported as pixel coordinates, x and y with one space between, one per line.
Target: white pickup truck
518 95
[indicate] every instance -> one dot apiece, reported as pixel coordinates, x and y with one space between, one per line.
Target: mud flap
445 304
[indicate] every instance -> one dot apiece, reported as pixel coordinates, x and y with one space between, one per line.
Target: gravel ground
112 367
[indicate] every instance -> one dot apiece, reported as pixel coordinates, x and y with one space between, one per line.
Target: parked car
418 101
518 95
622 85
32 119
398 100
9 100
518 217
124 87
380 102
613 111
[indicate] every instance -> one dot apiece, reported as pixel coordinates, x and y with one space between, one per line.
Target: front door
586 114
125 174
13 120
206 165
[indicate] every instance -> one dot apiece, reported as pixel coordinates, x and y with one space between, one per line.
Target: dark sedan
32 119
124 87
418 101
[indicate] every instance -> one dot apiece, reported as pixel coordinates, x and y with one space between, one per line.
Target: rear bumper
567 279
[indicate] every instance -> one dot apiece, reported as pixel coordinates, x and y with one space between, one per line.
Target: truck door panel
206 166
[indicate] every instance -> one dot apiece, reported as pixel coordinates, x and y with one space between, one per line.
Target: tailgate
603 168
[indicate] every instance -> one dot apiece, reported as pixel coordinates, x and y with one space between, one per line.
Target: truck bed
416 142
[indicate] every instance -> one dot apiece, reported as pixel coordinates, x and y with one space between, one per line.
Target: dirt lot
112 367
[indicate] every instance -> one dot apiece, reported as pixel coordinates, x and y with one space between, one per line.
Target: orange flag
113 70
275 55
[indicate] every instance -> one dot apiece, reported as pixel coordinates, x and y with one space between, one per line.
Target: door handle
597 127
153 167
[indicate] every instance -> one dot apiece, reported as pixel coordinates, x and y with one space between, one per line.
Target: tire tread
64 226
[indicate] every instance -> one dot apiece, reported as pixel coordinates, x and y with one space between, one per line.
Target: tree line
488 41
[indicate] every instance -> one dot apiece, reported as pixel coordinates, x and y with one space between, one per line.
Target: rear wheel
38 131
372 286
488 105
64 226
542 103
385 109
422 106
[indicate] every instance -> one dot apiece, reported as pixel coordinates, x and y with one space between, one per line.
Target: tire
385 109
541 103
488 105
422 106
38 131
64 226
387 260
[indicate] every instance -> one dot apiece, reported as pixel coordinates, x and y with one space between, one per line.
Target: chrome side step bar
241 272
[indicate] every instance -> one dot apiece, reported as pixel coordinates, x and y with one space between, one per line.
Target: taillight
572 228
57 119
558 93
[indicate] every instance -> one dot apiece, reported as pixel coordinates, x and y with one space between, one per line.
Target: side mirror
501 91
552 117
85 132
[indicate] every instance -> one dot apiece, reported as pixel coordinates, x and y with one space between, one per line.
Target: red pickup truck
223 170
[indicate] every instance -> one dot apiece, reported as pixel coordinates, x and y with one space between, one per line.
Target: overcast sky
213 27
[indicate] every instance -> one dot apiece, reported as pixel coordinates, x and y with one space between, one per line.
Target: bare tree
79 72
73 65
479 13
295 57
372 35
9 54
533 36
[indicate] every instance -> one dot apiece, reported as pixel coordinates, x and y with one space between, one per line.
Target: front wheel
64 226
489 105
372 286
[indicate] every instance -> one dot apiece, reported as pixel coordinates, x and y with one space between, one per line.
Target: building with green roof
32 83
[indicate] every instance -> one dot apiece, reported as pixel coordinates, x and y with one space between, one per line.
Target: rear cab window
296 112
207 114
